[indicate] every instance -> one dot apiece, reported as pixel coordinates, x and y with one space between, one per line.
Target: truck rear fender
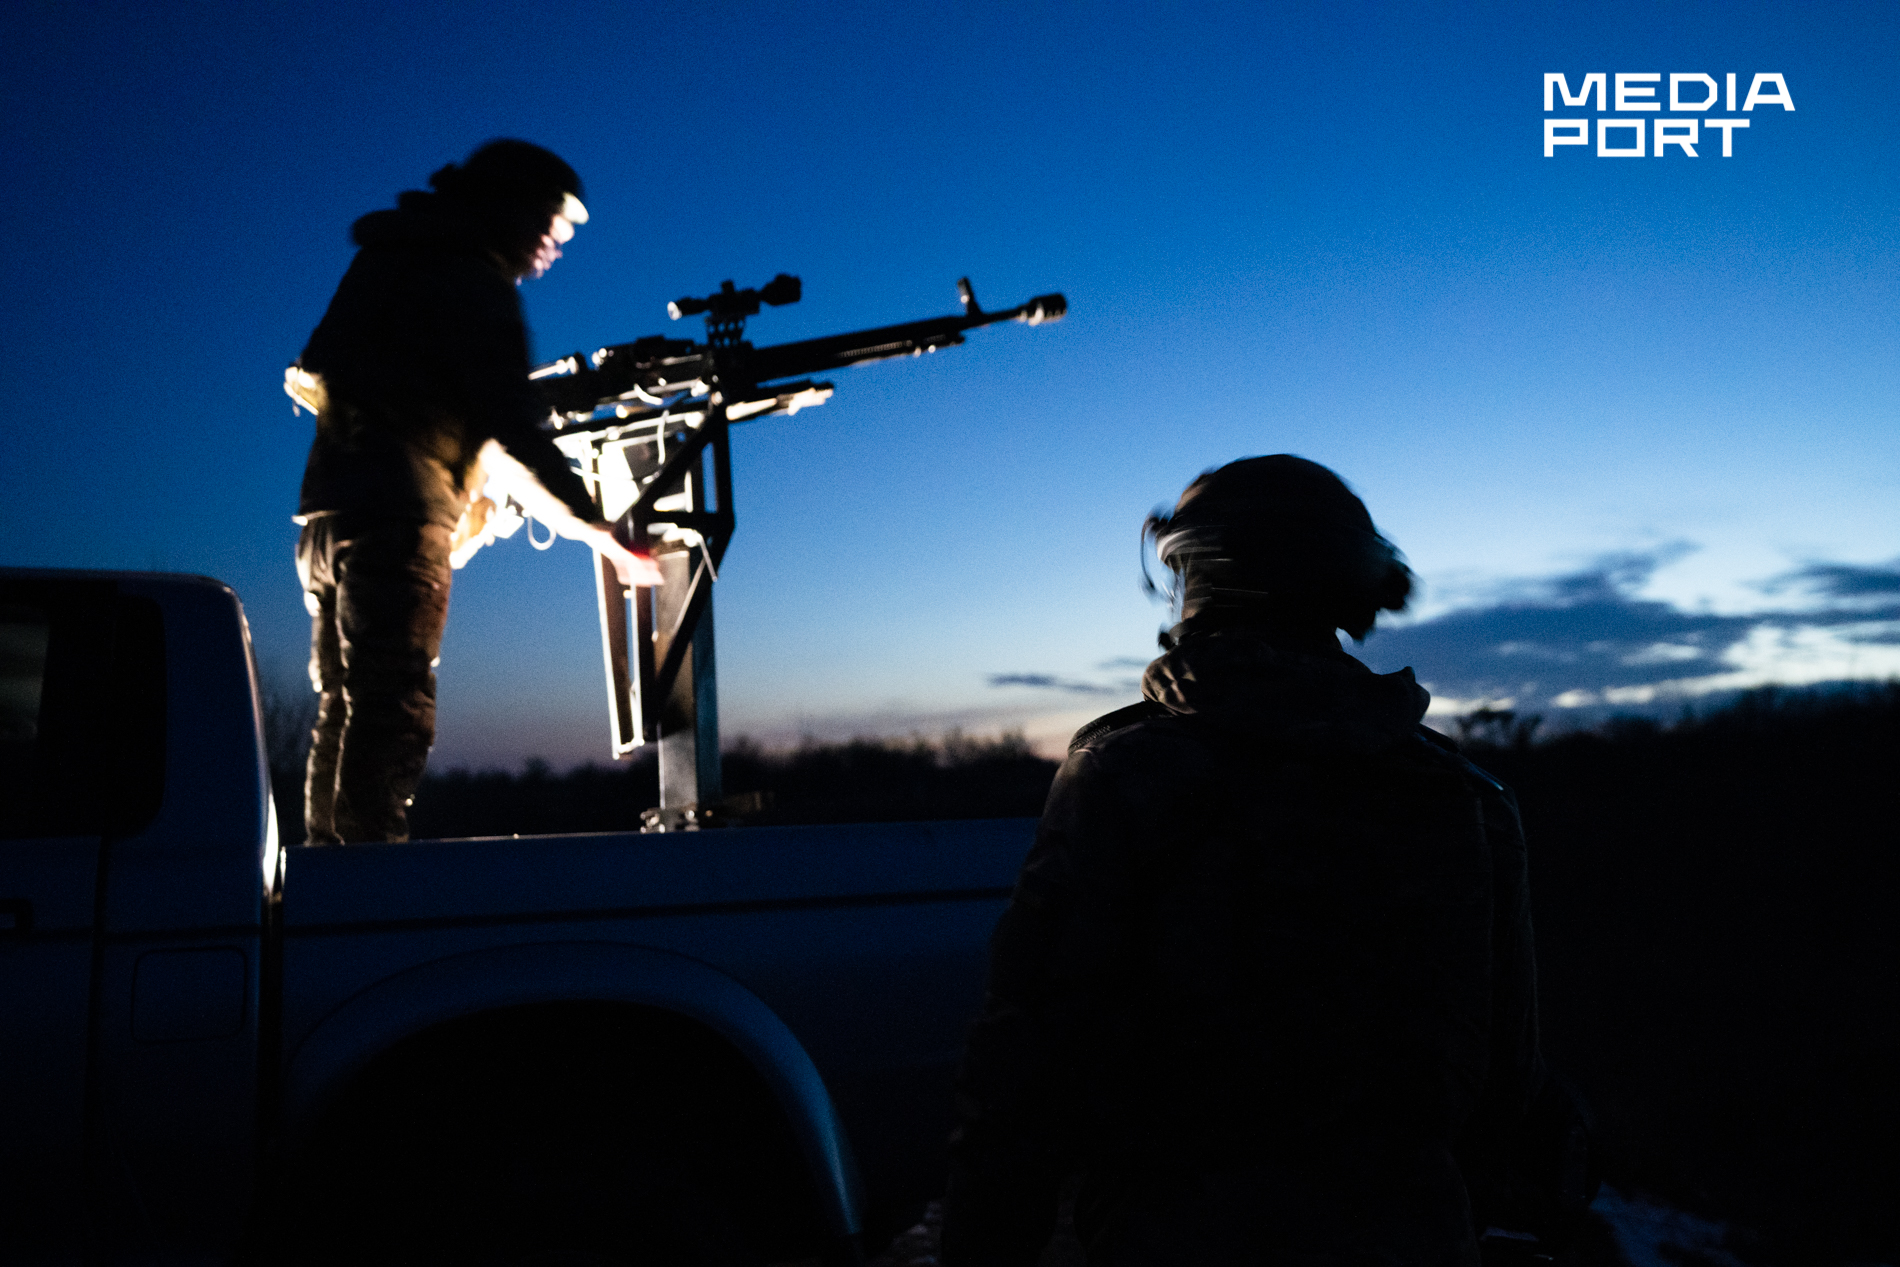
345 1042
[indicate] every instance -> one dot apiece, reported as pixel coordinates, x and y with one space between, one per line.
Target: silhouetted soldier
419 373
1266 977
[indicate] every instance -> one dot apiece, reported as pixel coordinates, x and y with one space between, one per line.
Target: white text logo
1691 94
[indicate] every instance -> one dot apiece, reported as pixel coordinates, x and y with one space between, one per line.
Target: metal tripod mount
643 421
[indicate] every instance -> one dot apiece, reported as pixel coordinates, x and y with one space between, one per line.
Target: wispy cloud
1585 640
1049 681
1839 582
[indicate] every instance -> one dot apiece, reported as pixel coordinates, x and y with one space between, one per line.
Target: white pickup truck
725 1047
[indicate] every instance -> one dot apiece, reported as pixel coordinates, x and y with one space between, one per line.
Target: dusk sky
1632 420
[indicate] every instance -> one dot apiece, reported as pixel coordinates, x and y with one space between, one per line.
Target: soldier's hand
631 566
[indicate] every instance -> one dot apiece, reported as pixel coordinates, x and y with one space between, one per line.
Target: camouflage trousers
378 594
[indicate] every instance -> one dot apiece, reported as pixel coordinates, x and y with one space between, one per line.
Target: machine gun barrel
815 356
657 367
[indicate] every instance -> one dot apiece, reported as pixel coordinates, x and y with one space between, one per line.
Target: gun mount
643 420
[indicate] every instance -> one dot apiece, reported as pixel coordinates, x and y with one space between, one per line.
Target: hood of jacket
1240 682
427 221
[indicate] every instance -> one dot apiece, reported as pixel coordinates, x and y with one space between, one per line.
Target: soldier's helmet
514 189
1278 536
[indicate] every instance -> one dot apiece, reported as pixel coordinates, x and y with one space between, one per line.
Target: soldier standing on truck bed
418 374
1266 979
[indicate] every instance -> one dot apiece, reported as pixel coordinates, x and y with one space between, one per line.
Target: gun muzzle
1044 308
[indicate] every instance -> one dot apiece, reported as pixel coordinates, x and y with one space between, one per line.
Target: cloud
1049 681
1839 581
1609 578
1583 643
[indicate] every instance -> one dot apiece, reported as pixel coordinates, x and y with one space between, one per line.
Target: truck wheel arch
463 986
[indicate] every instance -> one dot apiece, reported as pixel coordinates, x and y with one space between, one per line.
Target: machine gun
641 420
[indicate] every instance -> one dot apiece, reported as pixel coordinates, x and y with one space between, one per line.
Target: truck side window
82 709
137 708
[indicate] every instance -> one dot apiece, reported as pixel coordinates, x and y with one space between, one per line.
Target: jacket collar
1241 681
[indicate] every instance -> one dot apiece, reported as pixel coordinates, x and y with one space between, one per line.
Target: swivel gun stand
643 421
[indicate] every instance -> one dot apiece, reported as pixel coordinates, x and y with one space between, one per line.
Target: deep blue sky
1603 404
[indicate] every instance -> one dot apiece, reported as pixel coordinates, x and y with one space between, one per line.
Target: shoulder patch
1146 710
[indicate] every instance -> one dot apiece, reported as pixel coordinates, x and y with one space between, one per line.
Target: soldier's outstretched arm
506 474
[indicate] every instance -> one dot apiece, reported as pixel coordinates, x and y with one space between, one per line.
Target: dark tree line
863 781
1720 955
860 781
1716 910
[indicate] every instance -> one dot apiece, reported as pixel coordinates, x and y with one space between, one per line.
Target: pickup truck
731 1046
